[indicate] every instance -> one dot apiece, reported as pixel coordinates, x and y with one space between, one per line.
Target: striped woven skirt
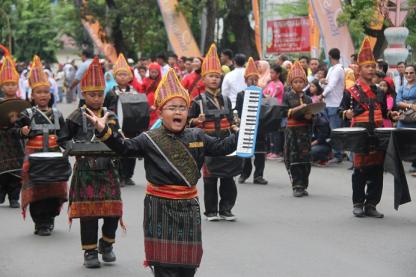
172 232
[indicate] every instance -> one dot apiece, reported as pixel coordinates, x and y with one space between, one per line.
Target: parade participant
298 132
252 77
366 106
193 81
95 188
149 86
132 111
173 157
11 148
212 112
44 127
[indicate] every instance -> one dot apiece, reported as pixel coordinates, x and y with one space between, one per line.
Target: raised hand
98 122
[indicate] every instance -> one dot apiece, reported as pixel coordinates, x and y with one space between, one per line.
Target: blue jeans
332 115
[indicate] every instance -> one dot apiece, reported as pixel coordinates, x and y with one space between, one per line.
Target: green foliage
295 9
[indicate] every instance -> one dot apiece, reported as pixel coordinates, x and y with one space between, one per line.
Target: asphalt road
275 235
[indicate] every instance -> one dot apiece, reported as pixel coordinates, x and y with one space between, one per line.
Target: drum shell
270 117
49 169
224 166
383 137
135 114
354 141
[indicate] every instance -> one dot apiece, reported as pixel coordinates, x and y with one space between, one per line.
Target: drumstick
121 133
93 138
201 107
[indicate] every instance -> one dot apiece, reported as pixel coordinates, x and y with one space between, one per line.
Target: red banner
288 35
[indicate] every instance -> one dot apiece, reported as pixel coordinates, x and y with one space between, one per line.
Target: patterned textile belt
209 126
37 142
172 191
364 117
295 123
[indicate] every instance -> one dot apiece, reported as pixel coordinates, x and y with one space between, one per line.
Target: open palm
98 122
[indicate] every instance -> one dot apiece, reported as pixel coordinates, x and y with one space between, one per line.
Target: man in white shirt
234 81
86 57
161 60
333 92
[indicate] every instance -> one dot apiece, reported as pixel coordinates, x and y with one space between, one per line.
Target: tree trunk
211 8
238 35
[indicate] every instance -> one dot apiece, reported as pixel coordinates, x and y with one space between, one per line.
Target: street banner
288 35
179 33
334 36
315 36
257 31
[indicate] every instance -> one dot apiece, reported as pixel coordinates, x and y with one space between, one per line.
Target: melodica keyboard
249 122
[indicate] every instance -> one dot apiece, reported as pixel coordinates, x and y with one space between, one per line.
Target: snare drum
352 139
383 136
47 167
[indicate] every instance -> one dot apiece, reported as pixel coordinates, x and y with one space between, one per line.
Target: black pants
44 211
127 166
10 185
259 162
299 175
161 271
228 194
89 231
372 177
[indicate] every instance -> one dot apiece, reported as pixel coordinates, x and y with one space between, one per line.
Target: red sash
355 93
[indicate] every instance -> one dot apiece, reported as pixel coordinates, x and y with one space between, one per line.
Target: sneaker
91 259
274 156
129 182
14 204
371 211
335 161
228 216
2 198
242 179
358 210
212 217
106 250
300 192
260 180
44 231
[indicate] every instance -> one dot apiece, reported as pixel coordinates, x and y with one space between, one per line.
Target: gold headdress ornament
251 69
37 77
295 72
8 72
121 65
169 88
93 79
211 63
365 56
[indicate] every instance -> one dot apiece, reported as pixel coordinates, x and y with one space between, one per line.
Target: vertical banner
99 37
257 32
315 36
179 33
334 36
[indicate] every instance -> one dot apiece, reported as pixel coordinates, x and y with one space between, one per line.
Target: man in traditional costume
173 157
131 109
212 112
95 186
252 76
365 105
298 132
45 129
11 150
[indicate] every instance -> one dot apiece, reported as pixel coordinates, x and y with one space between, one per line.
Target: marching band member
10 182
298 132
251 76
95 186
133 116
173 157
45 199
365 105
212 112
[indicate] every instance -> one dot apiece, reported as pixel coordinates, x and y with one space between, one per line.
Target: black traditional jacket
185 150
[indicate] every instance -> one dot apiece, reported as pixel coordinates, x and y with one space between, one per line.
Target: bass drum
47 167
136 114
270 115
383 137
354 139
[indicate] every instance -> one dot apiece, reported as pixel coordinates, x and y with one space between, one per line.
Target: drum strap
215 114
45 128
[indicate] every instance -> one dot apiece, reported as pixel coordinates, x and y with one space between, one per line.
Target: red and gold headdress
295 72
37 77
169 88
8 72
93 79
251 69
211 63
365 56
121 65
